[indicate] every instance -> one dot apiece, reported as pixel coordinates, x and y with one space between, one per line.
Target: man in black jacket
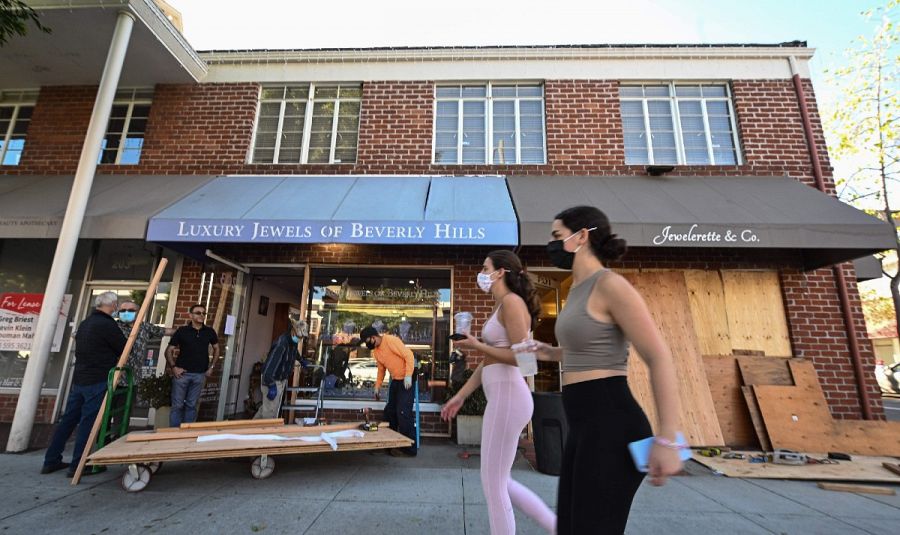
279 367
98 345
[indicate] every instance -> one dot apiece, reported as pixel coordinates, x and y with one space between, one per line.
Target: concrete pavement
437 492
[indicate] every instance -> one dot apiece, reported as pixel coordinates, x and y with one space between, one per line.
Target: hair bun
613 248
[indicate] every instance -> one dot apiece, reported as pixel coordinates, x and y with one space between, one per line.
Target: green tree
865 127
14 18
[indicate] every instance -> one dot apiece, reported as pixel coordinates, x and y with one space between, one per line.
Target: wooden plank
756 418
175 434
865 489
731 408
894 468
707 300
749 352
765 371
804 374
755 310
862 468
639 383
123 359
229 424
667 299
866 437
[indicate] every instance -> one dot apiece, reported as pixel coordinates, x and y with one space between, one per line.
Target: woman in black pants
603 312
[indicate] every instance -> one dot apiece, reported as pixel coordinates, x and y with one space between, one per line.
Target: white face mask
485 281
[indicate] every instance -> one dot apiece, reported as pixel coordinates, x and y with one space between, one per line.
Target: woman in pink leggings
509 404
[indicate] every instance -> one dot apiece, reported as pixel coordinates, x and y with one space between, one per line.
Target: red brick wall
8 407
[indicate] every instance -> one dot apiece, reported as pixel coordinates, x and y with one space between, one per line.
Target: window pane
691 123
690 107
633 108
533 155
267 124
661 123
318 155
326 92
504 107
725 157
119 111
696 157
722 141
531 107
140 110
137 126
662 140
656 90
293 109
20 129
25 112
270 109
446 122
292 124
716 107
687 90
289 154
721 124
659 107
533 139
6 112
445 155
350 91
263 155
531 90
474 91
345 155
635 141
473 155
115 125
664 156
714 91
445 140
503 91
504 147
531 123
448 91
295 93
636 156
631 91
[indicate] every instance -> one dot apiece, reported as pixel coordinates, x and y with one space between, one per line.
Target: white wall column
29 396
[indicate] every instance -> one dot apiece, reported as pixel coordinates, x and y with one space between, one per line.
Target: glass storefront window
413 304
24 269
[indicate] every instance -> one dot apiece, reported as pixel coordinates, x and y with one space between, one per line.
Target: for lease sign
19 316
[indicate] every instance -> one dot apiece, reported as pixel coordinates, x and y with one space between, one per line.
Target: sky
829 26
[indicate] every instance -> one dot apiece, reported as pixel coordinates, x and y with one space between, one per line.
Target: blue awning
418 210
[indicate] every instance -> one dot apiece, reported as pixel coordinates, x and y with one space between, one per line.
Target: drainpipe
841 280
30 392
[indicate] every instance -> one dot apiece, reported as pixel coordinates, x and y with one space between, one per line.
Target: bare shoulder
512 303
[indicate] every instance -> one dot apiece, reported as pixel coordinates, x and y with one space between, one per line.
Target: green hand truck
117 414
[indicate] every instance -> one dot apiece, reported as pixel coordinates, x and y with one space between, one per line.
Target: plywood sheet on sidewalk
765 371
861 468
756 417
731 408
707 299
667 298
755 310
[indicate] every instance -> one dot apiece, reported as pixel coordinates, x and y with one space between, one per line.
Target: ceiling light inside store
412 282
333 280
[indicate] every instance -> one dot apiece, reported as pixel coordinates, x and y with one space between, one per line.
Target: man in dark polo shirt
196 343
98 345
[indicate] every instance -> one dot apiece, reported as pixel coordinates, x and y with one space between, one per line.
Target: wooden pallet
188 449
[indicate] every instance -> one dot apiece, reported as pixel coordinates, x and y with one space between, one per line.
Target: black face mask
559 257
370 345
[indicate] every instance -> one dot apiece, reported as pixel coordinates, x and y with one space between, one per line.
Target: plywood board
865 489
861 468
639 382
798 418
755 310
174 434
667 299
765 371
123 452
707 300
232 424
731 409
756 418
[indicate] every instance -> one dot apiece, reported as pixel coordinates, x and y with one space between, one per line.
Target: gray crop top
589 344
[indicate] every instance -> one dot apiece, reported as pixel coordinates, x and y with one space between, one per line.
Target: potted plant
157 392
471 414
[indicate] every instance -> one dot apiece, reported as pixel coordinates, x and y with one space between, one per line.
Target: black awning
713 212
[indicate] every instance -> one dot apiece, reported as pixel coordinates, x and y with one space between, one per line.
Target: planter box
468 430
161 418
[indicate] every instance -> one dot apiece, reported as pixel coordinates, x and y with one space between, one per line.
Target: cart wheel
154 466
136 477
262 467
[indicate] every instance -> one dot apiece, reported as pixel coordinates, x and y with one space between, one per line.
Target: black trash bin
550 430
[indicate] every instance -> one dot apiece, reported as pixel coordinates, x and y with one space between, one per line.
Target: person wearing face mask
392 355
509 402
603 312
279 366
147 331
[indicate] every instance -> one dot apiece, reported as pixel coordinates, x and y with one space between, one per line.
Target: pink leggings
508 412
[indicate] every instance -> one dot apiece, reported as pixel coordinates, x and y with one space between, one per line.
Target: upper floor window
490 123
308 124
680 124
15 115
124 137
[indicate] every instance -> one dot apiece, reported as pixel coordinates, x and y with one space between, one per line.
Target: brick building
368 185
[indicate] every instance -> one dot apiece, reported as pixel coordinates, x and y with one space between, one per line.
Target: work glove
273 391
407 382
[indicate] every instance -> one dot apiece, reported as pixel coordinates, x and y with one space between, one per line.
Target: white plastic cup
526 358
462 322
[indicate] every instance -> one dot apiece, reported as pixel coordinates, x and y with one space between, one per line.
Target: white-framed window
679 124
491 123
16 108
309 123
124 137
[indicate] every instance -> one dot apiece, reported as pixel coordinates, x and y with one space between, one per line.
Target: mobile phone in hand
456 337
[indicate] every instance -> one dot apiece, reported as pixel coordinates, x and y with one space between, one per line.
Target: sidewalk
372 494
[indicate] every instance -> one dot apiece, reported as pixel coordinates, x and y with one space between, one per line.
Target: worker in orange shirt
392 355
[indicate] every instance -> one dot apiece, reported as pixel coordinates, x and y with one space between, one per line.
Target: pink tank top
494 333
